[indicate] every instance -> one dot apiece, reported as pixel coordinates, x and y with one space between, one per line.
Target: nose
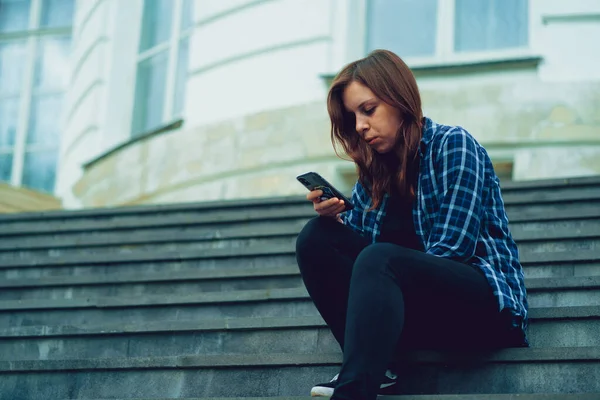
361 125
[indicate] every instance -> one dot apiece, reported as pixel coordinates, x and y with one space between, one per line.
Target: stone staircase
205 301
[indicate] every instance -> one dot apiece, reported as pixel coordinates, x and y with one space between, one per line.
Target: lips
372 140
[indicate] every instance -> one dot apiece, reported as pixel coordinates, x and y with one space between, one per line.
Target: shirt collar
427 134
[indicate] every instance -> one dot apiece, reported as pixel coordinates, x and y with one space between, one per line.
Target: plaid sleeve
353 218
460 179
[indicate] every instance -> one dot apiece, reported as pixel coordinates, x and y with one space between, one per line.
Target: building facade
187 100
35 42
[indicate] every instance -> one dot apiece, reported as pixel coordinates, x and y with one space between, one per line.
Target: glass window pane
12 65
52 63
6 161
45 120
57 13
156 23
9 109
406 27
182 72
14 15
187 14
490 24
150 93
39 170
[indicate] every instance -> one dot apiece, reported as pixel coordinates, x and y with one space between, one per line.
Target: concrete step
221 280
534 203
173 245
531 236
549 327
563 292
545 370
291 302
157 235
536 194
531 396
264 256
175 215
131 285
148 262
216 219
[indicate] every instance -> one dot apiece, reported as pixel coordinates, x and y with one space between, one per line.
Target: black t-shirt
398 226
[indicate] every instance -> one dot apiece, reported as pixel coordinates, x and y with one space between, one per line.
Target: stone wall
546 130
255 156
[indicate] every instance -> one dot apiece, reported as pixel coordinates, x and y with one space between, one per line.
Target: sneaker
326 389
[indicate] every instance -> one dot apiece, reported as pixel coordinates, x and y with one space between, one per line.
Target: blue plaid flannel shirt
458 213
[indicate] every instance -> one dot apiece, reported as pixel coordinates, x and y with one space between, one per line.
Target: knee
377 257
313 235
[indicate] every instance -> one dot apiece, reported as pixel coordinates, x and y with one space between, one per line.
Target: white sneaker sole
319 391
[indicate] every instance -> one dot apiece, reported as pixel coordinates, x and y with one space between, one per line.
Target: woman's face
376 121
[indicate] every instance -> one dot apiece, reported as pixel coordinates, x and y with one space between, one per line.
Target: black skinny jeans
379 299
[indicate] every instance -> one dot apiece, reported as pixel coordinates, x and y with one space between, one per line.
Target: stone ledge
533 284
521 355
509 187
250 323
143 210
514 193
302 211
184 276
482 396
254 251
256 295
290 225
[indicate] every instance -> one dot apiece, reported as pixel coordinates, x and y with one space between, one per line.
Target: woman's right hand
325 208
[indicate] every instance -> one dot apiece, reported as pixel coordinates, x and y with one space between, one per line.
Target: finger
340 209
325 204
335 211
314 195
328 206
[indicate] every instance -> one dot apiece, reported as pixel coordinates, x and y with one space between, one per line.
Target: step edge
588 213
573 313
482 396
533 285
47 244
521 355
150 277
252 251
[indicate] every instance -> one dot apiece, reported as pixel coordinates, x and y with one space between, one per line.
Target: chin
382 149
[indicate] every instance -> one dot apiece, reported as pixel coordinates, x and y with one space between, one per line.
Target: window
35 41
444 30
162 64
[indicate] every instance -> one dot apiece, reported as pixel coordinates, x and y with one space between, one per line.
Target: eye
369 111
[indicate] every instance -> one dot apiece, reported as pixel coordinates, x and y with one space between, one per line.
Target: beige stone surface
226 160
517 113
20 199
557 162
547 130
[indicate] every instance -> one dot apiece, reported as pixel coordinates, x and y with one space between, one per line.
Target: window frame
444 43
32 35
176 36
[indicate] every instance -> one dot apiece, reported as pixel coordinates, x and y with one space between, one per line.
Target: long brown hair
390 79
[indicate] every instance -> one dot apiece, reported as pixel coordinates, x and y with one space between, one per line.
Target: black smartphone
313 181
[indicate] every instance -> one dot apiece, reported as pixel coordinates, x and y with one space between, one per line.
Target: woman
425 259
